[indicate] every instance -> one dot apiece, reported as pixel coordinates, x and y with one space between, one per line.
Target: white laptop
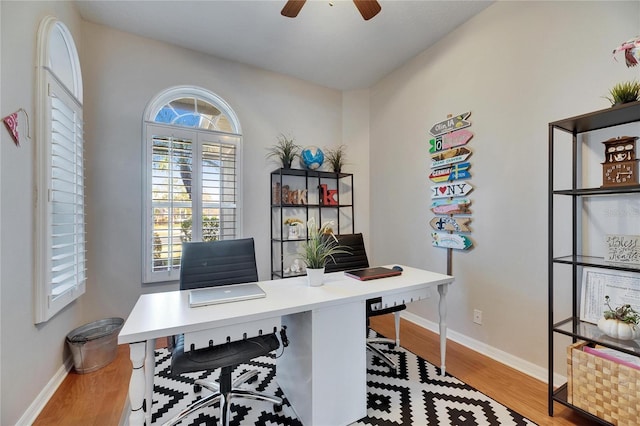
224 294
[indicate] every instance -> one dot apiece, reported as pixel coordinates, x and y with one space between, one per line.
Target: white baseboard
38 404
526 367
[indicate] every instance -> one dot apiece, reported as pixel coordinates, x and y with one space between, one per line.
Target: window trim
174 92
195 134
45 304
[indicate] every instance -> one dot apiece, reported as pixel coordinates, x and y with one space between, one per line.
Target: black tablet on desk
372 273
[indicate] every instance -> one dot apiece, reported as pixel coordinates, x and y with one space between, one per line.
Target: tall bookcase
305 194
570 200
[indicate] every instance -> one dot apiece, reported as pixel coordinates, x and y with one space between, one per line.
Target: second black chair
206 264
357 259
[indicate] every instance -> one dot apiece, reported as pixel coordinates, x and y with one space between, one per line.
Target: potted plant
622 93
285 150
318 250
620 323
335 157
294 225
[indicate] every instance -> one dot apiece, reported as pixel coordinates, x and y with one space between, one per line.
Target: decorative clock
620 167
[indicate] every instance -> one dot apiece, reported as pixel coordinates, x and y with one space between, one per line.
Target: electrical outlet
477 316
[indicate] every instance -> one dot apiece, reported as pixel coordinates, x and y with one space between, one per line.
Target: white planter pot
294 232
315 277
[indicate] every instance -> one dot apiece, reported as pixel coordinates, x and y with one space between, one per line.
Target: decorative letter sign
328 196
449 166
622 248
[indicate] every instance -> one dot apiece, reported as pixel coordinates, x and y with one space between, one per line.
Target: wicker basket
603 388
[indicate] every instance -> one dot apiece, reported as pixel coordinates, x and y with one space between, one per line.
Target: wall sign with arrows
450 124
449 173
450 140
450 156
455 172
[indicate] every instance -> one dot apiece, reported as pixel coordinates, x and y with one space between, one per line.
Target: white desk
322 372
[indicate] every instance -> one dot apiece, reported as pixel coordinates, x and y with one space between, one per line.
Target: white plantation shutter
171 201
66 195
219 189
60 261
188 200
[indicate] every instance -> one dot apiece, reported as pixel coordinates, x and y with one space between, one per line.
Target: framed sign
622 248
622 287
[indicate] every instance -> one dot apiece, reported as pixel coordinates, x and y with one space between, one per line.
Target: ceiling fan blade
292 8
368 8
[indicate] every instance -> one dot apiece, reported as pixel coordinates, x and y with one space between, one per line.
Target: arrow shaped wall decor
450 124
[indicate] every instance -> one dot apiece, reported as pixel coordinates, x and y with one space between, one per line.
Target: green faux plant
624 313
285 150
622 93
336 157
321 246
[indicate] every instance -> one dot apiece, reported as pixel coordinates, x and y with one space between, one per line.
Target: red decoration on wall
11 121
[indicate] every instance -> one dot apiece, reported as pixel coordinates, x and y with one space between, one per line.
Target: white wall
31 355
122 73
516 66
355 135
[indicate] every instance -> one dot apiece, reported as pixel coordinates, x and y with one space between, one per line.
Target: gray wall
122 74
516 66
31 355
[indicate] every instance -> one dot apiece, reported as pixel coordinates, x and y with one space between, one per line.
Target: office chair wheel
197 388
253 379
277 408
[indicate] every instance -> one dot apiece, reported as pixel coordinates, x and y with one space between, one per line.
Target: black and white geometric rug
415 396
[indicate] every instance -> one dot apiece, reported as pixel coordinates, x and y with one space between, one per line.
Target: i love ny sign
453 189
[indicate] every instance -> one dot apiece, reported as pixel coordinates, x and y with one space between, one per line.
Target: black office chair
206 264
357 259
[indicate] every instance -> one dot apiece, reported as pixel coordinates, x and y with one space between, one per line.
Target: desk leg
442 307
323 372
149 372
137 383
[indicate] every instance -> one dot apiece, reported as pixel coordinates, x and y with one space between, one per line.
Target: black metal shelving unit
309 180
573 326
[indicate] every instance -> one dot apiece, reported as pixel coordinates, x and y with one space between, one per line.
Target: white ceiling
328 45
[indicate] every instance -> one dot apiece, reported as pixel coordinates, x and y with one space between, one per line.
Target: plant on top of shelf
335 157
285 150
623 93
621 322
321 246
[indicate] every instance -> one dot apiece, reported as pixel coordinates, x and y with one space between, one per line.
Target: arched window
192 169
60 259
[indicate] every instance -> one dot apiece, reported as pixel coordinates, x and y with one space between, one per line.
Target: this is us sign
622 248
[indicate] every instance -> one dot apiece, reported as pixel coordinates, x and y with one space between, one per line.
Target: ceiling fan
368 8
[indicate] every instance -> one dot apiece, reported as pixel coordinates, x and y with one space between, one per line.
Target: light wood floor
98 398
